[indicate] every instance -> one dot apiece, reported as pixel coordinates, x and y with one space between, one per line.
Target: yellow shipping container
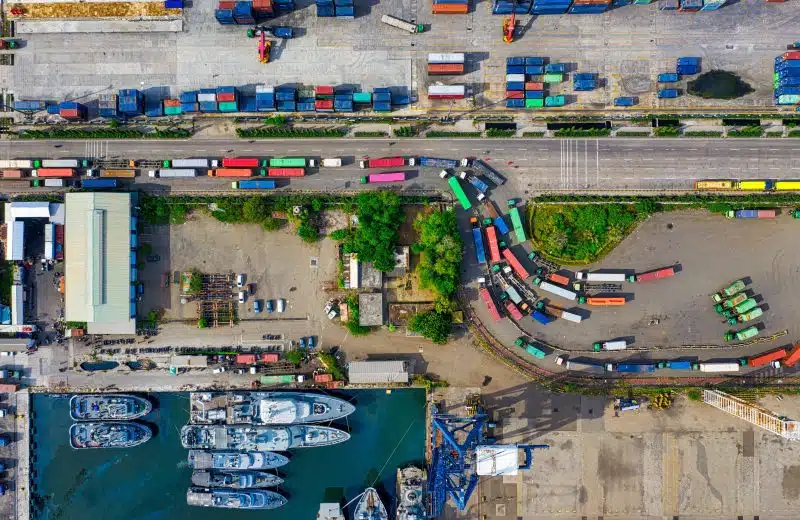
118 173
752 185
714 185
787 186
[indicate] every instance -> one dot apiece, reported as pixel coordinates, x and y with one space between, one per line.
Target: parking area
626 47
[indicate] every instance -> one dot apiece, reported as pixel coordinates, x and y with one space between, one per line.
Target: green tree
340 234
440 247
435 326
255 209
307 232
114 123
271 224
295 357
202 323
379 219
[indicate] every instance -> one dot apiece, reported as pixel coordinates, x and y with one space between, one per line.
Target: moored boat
108 407
266 408
410 492
370 507
234 499
108 435
236 460
330 511
234 479
259 438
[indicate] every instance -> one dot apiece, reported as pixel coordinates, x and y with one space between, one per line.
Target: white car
240 280
281 305
219 370
242 296
5 354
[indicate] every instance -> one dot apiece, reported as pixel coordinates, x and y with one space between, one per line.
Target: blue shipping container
208 106
579 76
515 69
534 69
99 184
248 104
52 109
515 60
534 60
381 96
499 223
555 68
667 93
541 317
635 367
534 94
382 106
515 85
679 365
624 101
348 11
189 107
325 11
401 100
188 97
382 90
173 4
287 106
515 103
305 107
261 184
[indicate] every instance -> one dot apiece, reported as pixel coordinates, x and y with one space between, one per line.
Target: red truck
513 311
487 299
286 172
765 359
666 272
246 359
386 162
557 278
240 162
231 172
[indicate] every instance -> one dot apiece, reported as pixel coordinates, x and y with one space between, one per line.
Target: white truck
333 162
173 172
192 163
60 163
600 277
619 344
402 24
560 291
16 164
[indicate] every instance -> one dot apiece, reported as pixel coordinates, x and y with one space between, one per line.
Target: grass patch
440 133
667 131
579 234
774 134
105 133
703 133
332 365
582 132
497 132
718 84
371 134
533 134
630 133
748 131
405 131
794 133
282 131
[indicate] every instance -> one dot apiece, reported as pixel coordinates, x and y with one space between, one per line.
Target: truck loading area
627 47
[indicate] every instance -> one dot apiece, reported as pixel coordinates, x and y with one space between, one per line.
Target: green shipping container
228 106
789 99
553 78
276 380
554 101
534 103
172 111
362 97
287 162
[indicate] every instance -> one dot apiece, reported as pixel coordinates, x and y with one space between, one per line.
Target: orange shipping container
322 378
246 359
793 357
606 301
450 8
557 278
172 102
12 174
445 68
54 172
232 172
270 358
532 85
332 385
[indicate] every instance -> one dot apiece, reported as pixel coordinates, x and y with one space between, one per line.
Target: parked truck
631 368
600 277
768 358
580 366
741 307
558 312
481 168
614 301
744 334
62 163
530 348
619 344
751 213
332 162
436 162
240 162
99 184
475 181
541 317
379 178
477 238
728 291
746 316
260 184
231 172
402 24
555 289
24 164
730 303
190 163
166 173
386 162
126 173
650 276
53 172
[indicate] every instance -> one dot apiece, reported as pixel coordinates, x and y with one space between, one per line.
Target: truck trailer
166 173
260 184
385 162
379 178
751 213
600 277
555 289
402 24
650 276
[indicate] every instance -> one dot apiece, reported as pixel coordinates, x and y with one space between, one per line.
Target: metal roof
17 305
375 372
15 241
97 253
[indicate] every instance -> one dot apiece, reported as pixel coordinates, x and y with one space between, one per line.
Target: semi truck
615 301
650 276
112 173
793 356
477 238
716 367
513 311
765 359
631 368
558 312
751 213
386 162
483 169
377 178
53 172
332 162
541 317
166 173
402 24
744 334
478 184
436 162
458 191
24 164
231 172
555 289
99 184
741 307
285 162
261 184
600 277
515 265
731 289
557 278
239 162
492 308
750 315
730 303
494 250
530 348
190 163
516 222
580 366
512 293
61 163
619 344
285 172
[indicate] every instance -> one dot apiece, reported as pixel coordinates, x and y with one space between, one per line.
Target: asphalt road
531 165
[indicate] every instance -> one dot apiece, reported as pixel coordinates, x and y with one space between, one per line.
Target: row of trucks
775 359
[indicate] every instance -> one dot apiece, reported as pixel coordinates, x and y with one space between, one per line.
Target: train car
754 185
787 185
714 185
765 359
487 299
494 251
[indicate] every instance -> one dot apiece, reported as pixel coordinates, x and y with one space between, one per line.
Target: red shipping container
226 96
172 102
55 172
765 359
231 172
557 278
791 55
766 213
226 5
445 68
286 172
324 90
270 358
322 378
246 359
532 85
69 113
332 385
240 162
515 94
323 104
450 8
793 357
12 174
7 389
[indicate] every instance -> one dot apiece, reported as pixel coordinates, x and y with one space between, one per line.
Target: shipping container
240 162
555 289
718 367
624 101
437 162
515 264
668 77
633 368
446 91
557 278
54 183
118 173
667 93
188 163
261 184
600 277
679 365
458 191
513 311
13 174
585 367
271 357
286 172
231 172
456 57
765 359
450 8
287 162
277 380
60 163
445 69
173 172
53 172
658 274
710 185
375 178
751 213
245 359
787 185
477 239
541 317
603 301
323 378
792 357
481 168
16 163
487 299
513 294
99 184
494 250
515 94
516 222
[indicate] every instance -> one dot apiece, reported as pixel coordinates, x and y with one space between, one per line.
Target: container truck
377 178
458 191
512 293
477 238
494 250
580 366
515 265
516 222
619 344
24 164
402 24
333 162
615 301
555 289
165 173
749 332
600 277
668 77
481 168
631 368
741 307
793 356
530 348
487 299
513 311
54 183
717 367
285 162
649 276
746 316
239 162
475 181
231 172
435 162
385 162
286 172
261 184
764 359
558 278
60 163
728 291
679 365
558 312
99 184
751 213
541 317
53 172
730 303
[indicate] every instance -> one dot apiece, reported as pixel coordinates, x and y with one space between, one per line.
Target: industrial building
377 372
101 262
17 213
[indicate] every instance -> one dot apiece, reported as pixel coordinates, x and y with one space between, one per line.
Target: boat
108 435
330 511
370 507
410 492
234 499
108 407
236 460
235 479
259 438
266 408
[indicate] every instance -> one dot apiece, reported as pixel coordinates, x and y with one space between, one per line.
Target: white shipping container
264 89
177 172
49 251
601 277
719 367
400 24
49 232
333 162
54 183
571 316
564 293
190 163
614 345
515 77
16 164
446 90
514 295
203 98
60 163
454 57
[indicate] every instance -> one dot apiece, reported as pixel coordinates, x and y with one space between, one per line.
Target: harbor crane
510 24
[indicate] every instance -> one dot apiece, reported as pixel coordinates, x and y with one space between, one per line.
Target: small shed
377 372
370 309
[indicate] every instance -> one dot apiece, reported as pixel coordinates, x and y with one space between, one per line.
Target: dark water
149 482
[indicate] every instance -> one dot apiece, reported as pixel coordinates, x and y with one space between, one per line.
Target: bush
582 132
496 132
440 133
195 282
340 234
794 133
202 323
718 84
271 224
405 131
331 363
748 131
433 325
295 357
307 232
276 121
703 133
667 131
268 132
371 134
631 133
256 209
441 250
694 395
533 134
104 133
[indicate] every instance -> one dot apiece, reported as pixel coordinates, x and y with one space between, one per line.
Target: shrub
748 131
533 134
405 131
433 325
268 132
667 131
440 133
497 132
582 132
371 134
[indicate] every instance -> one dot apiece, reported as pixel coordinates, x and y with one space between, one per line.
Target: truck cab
443 174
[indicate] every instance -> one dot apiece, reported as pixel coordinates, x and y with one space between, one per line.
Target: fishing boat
259 438
235 479
108 435
370 507
234 499
108 407
231 460
330 511
266 408
410 492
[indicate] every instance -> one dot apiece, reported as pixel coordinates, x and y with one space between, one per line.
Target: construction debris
71 11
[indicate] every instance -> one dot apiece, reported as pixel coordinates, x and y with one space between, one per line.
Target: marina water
149 482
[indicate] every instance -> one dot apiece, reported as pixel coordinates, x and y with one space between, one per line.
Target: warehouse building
100 268
377 372
18 213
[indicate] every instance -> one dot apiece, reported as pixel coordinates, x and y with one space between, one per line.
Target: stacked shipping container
131 102
72 110
451 64
787 78
450 6
525 82
107 105
589 6
382 99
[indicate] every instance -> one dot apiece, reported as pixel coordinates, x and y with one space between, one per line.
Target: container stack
52 109
447 92
248 104
787 78
286 98
227 99
584 82
153 107
345 9
400 101
131 102
207 98
343 100
690 6
524 88
265 98
224 13
325 9
450 6
509 6
263 9
323 98
382 99
688 66
362 100
713 5
550 6
555 101
243 13
283 6
589 6
449 64
189 102
72 110
107 105
172 107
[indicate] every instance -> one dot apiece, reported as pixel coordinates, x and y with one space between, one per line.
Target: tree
379 219
256 209
271 224
440 247
202 323
307 232
295 357
435 326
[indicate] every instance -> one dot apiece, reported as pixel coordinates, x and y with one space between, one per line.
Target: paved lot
627 47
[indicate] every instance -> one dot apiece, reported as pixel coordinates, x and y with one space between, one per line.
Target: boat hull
235 479
95 435
370 507
230 460
266 408
234 499
259 438
108 407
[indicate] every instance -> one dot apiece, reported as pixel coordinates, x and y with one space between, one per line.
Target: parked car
302 343
281 305
257 308
242 296
6 353
310 342
270 306
219 370
240 280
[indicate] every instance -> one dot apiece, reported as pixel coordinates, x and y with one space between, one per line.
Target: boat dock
22 478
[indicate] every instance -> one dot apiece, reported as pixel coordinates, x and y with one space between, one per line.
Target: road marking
315 150
201 149
247 150
734 149
292 150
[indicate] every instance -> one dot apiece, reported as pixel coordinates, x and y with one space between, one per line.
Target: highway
531 165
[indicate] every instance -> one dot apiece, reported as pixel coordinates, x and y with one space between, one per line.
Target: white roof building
17 305
377 372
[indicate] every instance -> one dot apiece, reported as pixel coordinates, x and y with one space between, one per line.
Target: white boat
370 507
259 438
229 460
410 493
266 408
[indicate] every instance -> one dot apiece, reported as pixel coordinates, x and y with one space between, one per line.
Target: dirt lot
710 251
